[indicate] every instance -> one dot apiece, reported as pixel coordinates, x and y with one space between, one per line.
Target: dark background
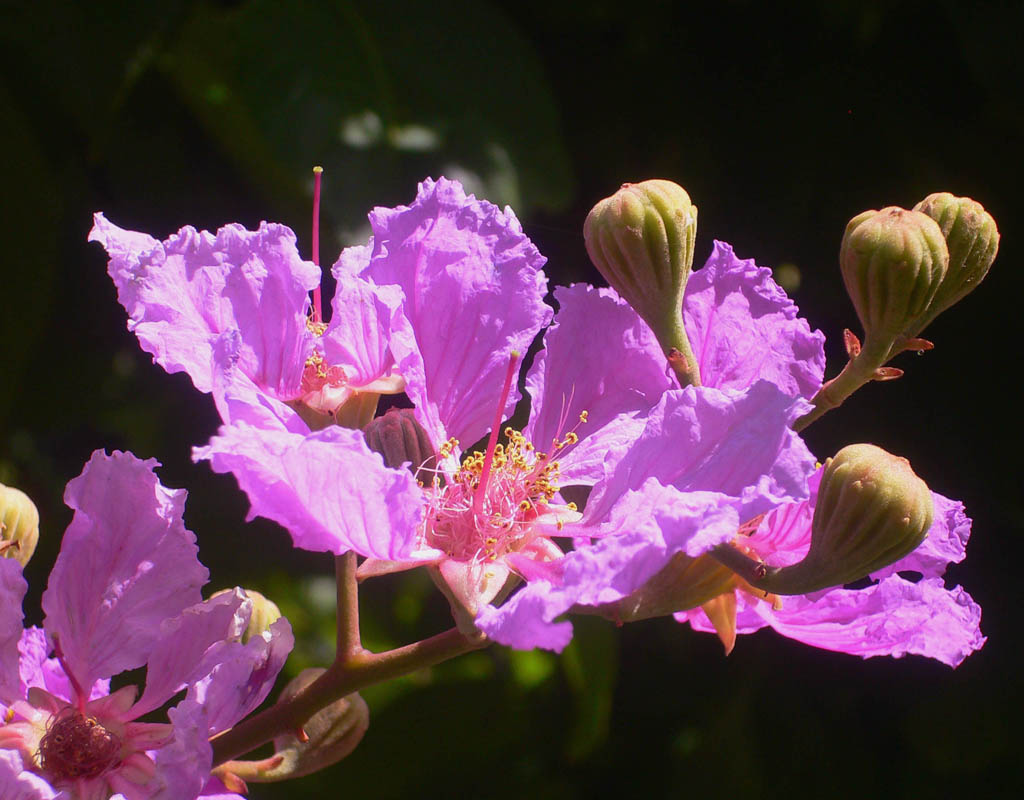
781 120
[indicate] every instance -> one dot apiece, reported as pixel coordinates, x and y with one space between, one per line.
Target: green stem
679 352
859 370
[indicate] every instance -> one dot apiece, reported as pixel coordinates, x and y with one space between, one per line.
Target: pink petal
177 659
20 784
945 544
473 292
242 676
598 357
12 592
893 618
36 669
183 293
327 489
358 337
743 328
704 439
126 564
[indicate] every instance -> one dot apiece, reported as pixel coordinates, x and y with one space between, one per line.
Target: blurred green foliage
782 121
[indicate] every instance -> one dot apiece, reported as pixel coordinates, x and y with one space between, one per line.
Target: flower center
490 507
77 746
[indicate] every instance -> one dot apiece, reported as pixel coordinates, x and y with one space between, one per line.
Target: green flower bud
328 736
893 262
641 240
972 239
400 439
871 511
264 613
19 525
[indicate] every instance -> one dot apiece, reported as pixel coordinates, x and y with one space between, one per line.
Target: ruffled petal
126 564
239 399
891 618
327 489
744 328
704 439
183 766
36 669
945 544
12 592
20 784
362 323
644 530
598 357
242 676
183 293
178 657
473 292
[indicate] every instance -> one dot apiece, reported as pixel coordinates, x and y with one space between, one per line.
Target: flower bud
326 738
264 613
893 262
972 239
19 525
641 240
400 439
871 511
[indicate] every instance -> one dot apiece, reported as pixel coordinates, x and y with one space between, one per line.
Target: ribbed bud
19 525
871 511
893 262
264 613
400 439
327 737
972 239
641 240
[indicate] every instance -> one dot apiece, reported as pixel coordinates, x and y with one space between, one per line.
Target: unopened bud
893 262
400 439
871 511
641 240
264 613
326 737
19 525
972 239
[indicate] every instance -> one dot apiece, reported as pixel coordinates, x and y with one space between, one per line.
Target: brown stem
349 641
342 678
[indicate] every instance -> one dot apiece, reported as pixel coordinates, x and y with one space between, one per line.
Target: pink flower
124 592
472 293
905 610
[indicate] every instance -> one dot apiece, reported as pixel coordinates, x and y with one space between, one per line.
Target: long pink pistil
492 440
318 314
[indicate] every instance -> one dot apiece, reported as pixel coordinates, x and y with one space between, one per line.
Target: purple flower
232 310
124 593
603 412
893 616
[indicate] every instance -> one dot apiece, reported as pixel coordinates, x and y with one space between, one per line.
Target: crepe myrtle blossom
236 303
905 609
688 464
124 593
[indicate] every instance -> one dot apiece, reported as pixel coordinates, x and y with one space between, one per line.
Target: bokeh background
781 120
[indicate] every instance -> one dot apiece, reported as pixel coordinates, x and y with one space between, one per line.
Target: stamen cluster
483 514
